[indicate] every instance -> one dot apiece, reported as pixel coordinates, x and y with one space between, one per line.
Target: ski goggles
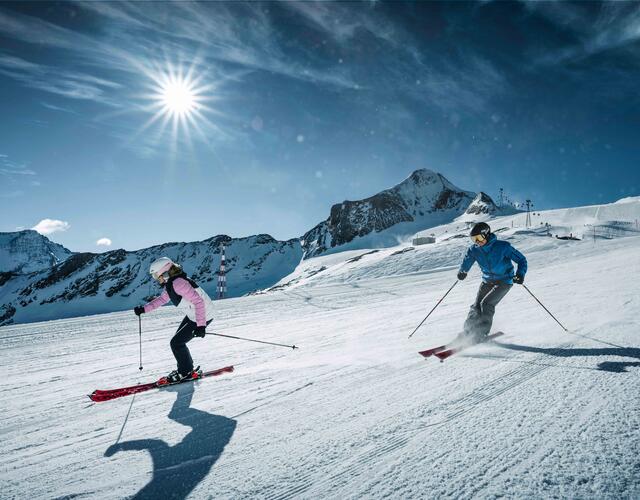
478 238
161 278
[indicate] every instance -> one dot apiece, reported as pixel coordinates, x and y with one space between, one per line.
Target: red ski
107 395
447 353
432 351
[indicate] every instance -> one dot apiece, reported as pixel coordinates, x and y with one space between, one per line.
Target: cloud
239 33
341 23
8 171
50 226
57 108
103 242
34 30
71 84
614 25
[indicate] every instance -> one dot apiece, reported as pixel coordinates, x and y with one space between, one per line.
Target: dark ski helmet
480 229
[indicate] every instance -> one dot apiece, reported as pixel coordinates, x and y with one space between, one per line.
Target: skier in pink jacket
185 294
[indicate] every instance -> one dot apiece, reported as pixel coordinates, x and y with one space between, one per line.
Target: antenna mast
222 277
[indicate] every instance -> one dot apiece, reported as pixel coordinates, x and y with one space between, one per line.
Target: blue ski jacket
494 259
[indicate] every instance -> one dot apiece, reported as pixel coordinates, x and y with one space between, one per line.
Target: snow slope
356 412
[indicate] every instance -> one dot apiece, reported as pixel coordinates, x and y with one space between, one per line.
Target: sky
137 123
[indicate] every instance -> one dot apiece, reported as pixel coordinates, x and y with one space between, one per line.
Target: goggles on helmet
161 277
478 238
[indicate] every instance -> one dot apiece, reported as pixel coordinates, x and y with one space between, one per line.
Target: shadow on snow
609 366
178 469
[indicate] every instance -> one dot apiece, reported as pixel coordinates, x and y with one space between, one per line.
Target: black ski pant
184 334
480 317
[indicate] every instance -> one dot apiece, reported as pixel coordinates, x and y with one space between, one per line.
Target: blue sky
302 105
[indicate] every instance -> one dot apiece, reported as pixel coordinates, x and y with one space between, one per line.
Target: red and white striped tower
222 277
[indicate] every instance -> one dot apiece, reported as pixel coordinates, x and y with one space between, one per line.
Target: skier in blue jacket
495 260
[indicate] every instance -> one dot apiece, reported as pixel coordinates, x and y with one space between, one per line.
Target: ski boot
196 373
175 377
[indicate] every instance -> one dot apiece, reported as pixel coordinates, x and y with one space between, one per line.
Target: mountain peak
482 204
423 199
27 251
421 174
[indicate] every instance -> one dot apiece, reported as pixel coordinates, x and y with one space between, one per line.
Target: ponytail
175 270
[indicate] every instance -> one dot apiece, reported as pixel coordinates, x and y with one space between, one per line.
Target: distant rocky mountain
28 251
425 199
87 283
483 207
482 204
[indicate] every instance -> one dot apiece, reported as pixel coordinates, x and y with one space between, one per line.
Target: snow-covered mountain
87 283
355 412
547 230
423 200
28 251
483 204
41 280
483 208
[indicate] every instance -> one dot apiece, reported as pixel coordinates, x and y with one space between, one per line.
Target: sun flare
181 103
178 98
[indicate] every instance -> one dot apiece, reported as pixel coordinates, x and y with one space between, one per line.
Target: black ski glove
462 275
518 279
200 331
138 310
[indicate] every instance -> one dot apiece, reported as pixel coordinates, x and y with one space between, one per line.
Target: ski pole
434 308
140 333
253 340
525 287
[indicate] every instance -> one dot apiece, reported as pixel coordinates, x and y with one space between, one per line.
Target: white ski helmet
160 266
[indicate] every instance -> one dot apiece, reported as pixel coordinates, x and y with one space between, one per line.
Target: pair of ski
447 350
99 395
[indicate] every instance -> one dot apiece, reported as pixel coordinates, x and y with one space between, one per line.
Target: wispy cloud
50 226
103 242
34 30
615 25
15 178
10 168
341 23
239 33
54 107
6 171
465 83
468 85
74 85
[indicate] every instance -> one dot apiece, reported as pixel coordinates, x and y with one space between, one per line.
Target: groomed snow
356 412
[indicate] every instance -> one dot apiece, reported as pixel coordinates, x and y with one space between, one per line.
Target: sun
178 98
180 103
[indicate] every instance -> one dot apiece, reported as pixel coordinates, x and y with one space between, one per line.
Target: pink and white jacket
196 304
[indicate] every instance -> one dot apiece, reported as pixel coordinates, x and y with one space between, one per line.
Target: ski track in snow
356 412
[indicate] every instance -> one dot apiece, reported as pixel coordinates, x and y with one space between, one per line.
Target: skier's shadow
178 469
608 366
